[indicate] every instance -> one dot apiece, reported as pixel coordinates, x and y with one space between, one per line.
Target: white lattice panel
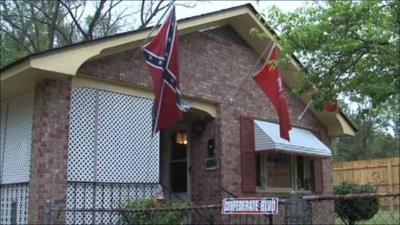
82 135
18 193
79 197
113 132
18 140
123 148
3 118
126 150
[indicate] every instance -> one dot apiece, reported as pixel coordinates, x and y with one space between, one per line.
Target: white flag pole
152 30
305 110
232 97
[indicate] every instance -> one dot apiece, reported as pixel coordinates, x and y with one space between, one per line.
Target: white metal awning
267 138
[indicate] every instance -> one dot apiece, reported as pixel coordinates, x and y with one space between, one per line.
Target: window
284 172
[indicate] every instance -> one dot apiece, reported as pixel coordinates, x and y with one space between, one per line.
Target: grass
382 217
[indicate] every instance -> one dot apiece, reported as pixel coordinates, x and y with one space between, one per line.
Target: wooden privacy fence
381 173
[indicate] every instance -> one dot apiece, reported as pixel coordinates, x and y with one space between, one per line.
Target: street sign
250 206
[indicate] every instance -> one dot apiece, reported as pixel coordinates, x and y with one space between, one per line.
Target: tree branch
95 19
153 13
141 12
53 24
35 26
12 36
23 31
74 20
48 23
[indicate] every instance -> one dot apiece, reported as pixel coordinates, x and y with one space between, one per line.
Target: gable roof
66 61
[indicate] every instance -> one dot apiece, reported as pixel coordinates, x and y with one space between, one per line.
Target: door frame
166 159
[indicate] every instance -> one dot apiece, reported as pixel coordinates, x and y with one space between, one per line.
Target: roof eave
66 61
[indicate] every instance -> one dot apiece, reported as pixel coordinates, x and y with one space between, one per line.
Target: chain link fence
377 208
327 209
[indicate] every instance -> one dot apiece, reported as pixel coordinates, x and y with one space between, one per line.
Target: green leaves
167 213
352 210
348 48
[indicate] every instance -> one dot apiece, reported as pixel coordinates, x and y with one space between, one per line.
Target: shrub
153 216
352 210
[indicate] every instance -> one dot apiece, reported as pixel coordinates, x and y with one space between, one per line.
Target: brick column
49 148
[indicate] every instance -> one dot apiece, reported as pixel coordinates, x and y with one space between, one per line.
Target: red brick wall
212 69
205 183
49 147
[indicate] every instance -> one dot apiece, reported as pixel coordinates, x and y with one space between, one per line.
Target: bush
352 210
153 216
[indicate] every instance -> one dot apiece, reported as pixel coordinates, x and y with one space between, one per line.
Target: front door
176 166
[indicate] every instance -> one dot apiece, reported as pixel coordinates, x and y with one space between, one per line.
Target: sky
210 6
201 7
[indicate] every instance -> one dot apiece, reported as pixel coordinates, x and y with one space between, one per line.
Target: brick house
76 121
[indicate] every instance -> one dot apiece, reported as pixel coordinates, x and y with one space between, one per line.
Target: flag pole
231 99
152 30
152 143
158 22
305 110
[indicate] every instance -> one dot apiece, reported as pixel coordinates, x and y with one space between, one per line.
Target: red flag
161 55
331 107
270 81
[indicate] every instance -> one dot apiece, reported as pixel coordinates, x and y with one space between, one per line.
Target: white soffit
302 141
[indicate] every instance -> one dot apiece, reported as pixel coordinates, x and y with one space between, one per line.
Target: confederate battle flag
161 56
270 81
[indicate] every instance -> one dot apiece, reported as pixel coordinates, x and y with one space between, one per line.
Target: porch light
181 137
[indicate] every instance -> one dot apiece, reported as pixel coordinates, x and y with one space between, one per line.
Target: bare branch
112 6
95 19
12 36
35 25
71 33
80 11
108 25
48 23
120 17
141 12
21 30
153 13
74 19
53 25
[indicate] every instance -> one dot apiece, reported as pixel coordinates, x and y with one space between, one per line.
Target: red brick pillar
49 148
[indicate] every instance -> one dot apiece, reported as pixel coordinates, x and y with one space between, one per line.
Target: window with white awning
284 166
267 138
